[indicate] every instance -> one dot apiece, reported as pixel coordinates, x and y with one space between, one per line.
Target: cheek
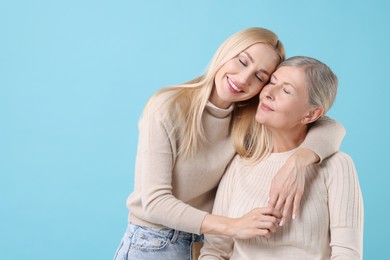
228 67
262 95
256 88
218 76
294 113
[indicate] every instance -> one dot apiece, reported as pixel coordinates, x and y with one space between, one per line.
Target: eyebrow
249 56
286 83
251 59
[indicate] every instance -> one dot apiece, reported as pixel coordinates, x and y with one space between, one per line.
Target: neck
286 140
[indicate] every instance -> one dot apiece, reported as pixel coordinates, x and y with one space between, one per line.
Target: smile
234 86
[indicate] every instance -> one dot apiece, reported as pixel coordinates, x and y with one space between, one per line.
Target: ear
313 115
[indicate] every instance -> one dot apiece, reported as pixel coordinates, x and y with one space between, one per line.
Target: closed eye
242 62
286 91
259 78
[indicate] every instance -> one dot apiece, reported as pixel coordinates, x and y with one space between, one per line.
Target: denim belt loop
175 236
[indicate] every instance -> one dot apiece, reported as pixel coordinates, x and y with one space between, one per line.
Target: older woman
330 225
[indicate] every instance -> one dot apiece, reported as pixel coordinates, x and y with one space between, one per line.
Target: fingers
281 201
270 223
274 193
269 212
258 222
273 198
267 226
287 210
297 203
267 218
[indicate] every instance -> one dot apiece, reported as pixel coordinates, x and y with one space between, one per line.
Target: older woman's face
242 77
284 101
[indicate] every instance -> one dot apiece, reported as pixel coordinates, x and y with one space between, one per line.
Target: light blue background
74 78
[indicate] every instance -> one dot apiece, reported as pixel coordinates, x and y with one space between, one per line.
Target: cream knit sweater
171 191
330 225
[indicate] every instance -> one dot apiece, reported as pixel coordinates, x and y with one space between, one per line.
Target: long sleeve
324 137
160 205
218 246
171 190
345 209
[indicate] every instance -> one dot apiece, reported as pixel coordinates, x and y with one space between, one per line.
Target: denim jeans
149 243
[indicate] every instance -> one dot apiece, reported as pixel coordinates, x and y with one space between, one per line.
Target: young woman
330 226
185 146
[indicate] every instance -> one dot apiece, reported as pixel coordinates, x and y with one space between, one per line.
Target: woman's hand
258 222
288 184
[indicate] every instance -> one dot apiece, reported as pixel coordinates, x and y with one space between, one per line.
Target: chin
258 119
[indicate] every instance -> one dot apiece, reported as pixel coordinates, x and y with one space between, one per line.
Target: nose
267 92
244 78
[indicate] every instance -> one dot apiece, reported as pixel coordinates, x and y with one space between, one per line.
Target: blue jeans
149 243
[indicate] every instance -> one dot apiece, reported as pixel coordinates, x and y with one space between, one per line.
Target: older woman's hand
288 184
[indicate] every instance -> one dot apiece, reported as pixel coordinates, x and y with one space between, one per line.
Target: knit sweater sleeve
345 208
324 137
219 246
157 153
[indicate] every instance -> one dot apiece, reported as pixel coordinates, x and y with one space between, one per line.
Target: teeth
234 86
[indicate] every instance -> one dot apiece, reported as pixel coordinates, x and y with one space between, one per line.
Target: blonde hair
190 99
322 90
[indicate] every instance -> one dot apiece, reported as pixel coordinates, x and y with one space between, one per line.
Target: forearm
302 158
159 204
169 211
154 171
217 225
347 214
255 223
324 137
346 244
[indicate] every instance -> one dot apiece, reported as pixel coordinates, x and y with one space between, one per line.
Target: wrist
304 157
217 225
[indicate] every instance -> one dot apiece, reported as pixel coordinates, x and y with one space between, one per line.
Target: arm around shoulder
324 137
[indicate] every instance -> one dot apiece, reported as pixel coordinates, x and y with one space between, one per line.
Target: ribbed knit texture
330 224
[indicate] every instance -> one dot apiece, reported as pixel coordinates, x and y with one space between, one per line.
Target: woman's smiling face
242 77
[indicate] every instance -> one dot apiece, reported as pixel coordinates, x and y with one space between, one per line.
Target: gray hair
322 82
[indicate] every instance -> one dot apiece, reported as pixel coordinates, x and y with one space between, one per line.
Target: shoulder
159 106
339 166
339 158
161 100
235 164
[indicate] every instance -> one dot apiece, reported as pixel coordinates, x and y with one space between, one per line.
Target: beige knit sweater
330 225
175 192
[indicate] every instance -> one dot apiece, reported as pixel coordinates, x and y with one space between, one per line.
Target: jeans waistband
170 233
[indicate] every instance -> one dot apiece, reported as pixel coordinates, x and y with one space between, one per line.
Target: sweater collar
281 156
219 112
